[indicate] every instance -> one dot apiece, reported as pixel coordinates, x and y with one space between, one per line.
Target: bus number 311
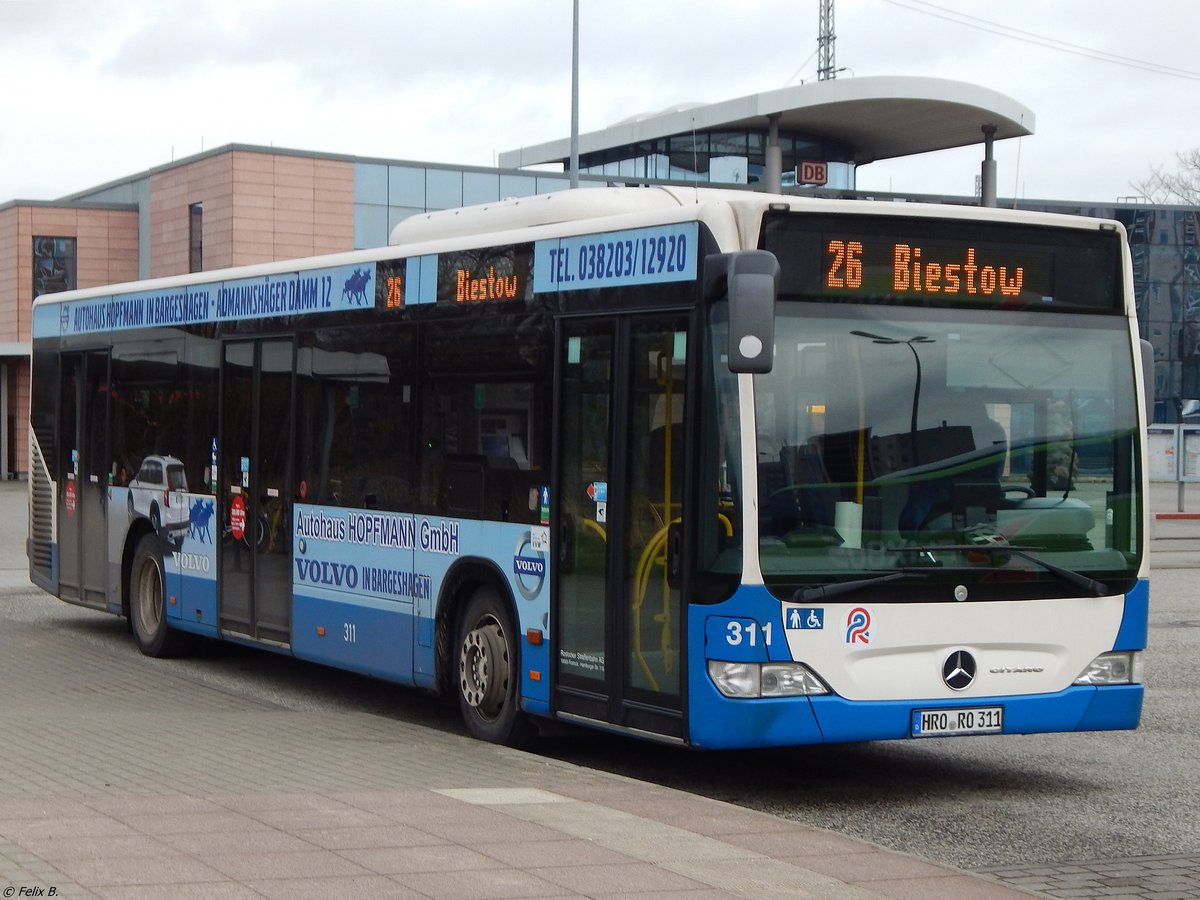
736 632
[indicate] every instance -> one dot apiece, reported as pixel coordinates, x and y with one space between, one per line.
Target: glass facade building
720 158
387 192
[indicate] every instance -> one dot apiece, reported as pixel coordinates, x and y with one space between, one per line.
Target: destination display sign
485 275
937 269
939 261
488 275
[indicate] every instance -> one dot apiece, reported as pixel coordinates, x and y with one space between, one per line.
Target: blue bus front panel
884 665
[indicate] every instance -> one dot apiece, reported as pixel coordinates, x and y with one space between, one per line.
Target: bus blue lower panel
362 634
719 723
192 603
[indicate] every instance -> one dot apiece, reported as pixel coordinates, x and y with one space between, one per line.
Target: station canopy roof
876 118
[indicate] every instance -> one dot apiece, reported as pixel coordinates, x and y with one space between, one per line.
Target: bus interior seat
503 451
463 484
975 503
845 455
516 451
372 491
524 496
778 510
971 493
806 473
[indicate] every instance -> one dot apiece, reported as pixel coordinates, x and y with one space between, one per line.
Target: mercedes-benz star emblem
958 671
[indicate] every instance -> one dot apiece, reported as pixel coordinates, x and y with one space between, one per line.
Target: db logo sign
812 172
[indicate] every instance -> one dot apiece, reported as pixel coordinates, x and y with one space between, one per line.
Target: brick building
241 204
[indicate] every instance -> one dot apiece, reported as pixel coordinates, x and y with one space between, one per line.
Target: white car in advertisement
159 493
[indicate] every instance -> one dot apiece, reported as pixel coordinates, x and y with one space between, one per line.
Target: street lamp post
908 342
574 182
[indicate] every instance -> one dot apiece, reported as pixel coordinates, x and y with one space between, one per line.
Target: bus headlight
1113 668
741 680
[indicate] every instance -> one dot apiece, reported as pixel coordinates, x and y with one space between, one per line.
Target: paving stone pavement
1150 877
123 777
128 777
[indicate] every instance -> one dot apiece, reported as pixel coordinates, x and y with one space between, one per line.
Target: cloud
455 80
356 44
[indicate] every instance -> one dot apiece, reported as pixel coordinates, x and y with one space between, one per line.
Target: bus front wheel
147 603
487 672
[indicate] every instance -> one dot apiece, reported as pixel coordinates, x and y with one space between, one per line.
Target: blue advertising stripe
657 255
359 568
337 288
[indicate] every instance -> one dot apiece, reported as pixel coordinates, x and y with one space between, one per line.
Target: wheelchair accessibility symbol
800 618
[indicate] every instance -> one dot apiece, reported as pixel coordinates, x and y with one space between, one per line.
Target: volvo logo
958 671
529 562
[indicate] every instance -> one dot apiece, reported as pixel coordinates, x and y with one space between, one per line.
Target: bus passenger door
83 479
618 623
255 478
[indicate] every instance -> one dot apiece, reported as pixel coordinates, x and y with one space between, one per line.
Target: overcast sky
96 90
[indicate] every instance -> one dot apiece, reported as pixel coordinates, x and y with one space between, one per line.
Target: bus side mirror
752 284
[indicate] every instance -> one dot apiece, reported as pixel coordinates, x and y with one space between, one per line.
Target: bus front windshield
984 451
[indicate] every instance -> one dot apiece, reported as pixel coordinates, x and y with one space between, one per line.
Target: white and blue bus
715 468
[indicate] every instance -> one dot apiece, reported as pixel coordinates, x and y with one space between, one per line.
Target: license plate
942 722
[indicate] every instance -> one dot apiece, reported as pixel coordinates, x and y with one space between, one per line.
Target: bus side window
480 457
355 419
148 411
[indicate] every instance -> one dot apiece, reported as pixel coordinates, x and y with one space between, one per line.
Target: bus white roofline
584 211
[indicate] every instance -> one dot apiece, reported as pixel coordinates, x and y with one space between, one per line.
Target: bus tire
147 603
487 671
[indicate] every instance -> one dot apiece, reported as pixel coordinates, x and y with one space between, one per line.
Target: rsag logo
858 626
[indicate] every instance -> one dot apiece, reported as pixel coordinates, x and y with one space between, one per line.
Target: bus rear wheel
488 673
147 603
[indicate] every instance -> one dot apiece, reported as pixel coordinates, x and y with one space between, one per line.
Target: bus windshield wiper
829 591
1073 578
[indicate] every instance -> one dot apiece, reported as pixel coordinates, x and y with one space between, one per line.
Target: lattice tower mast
826 66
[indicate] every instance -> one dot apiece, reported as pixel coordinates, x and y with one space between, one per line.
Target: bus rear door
83 480
255 475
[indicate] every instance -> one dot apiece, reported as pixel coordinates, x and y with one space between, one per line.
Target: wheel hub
483 668
149 597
